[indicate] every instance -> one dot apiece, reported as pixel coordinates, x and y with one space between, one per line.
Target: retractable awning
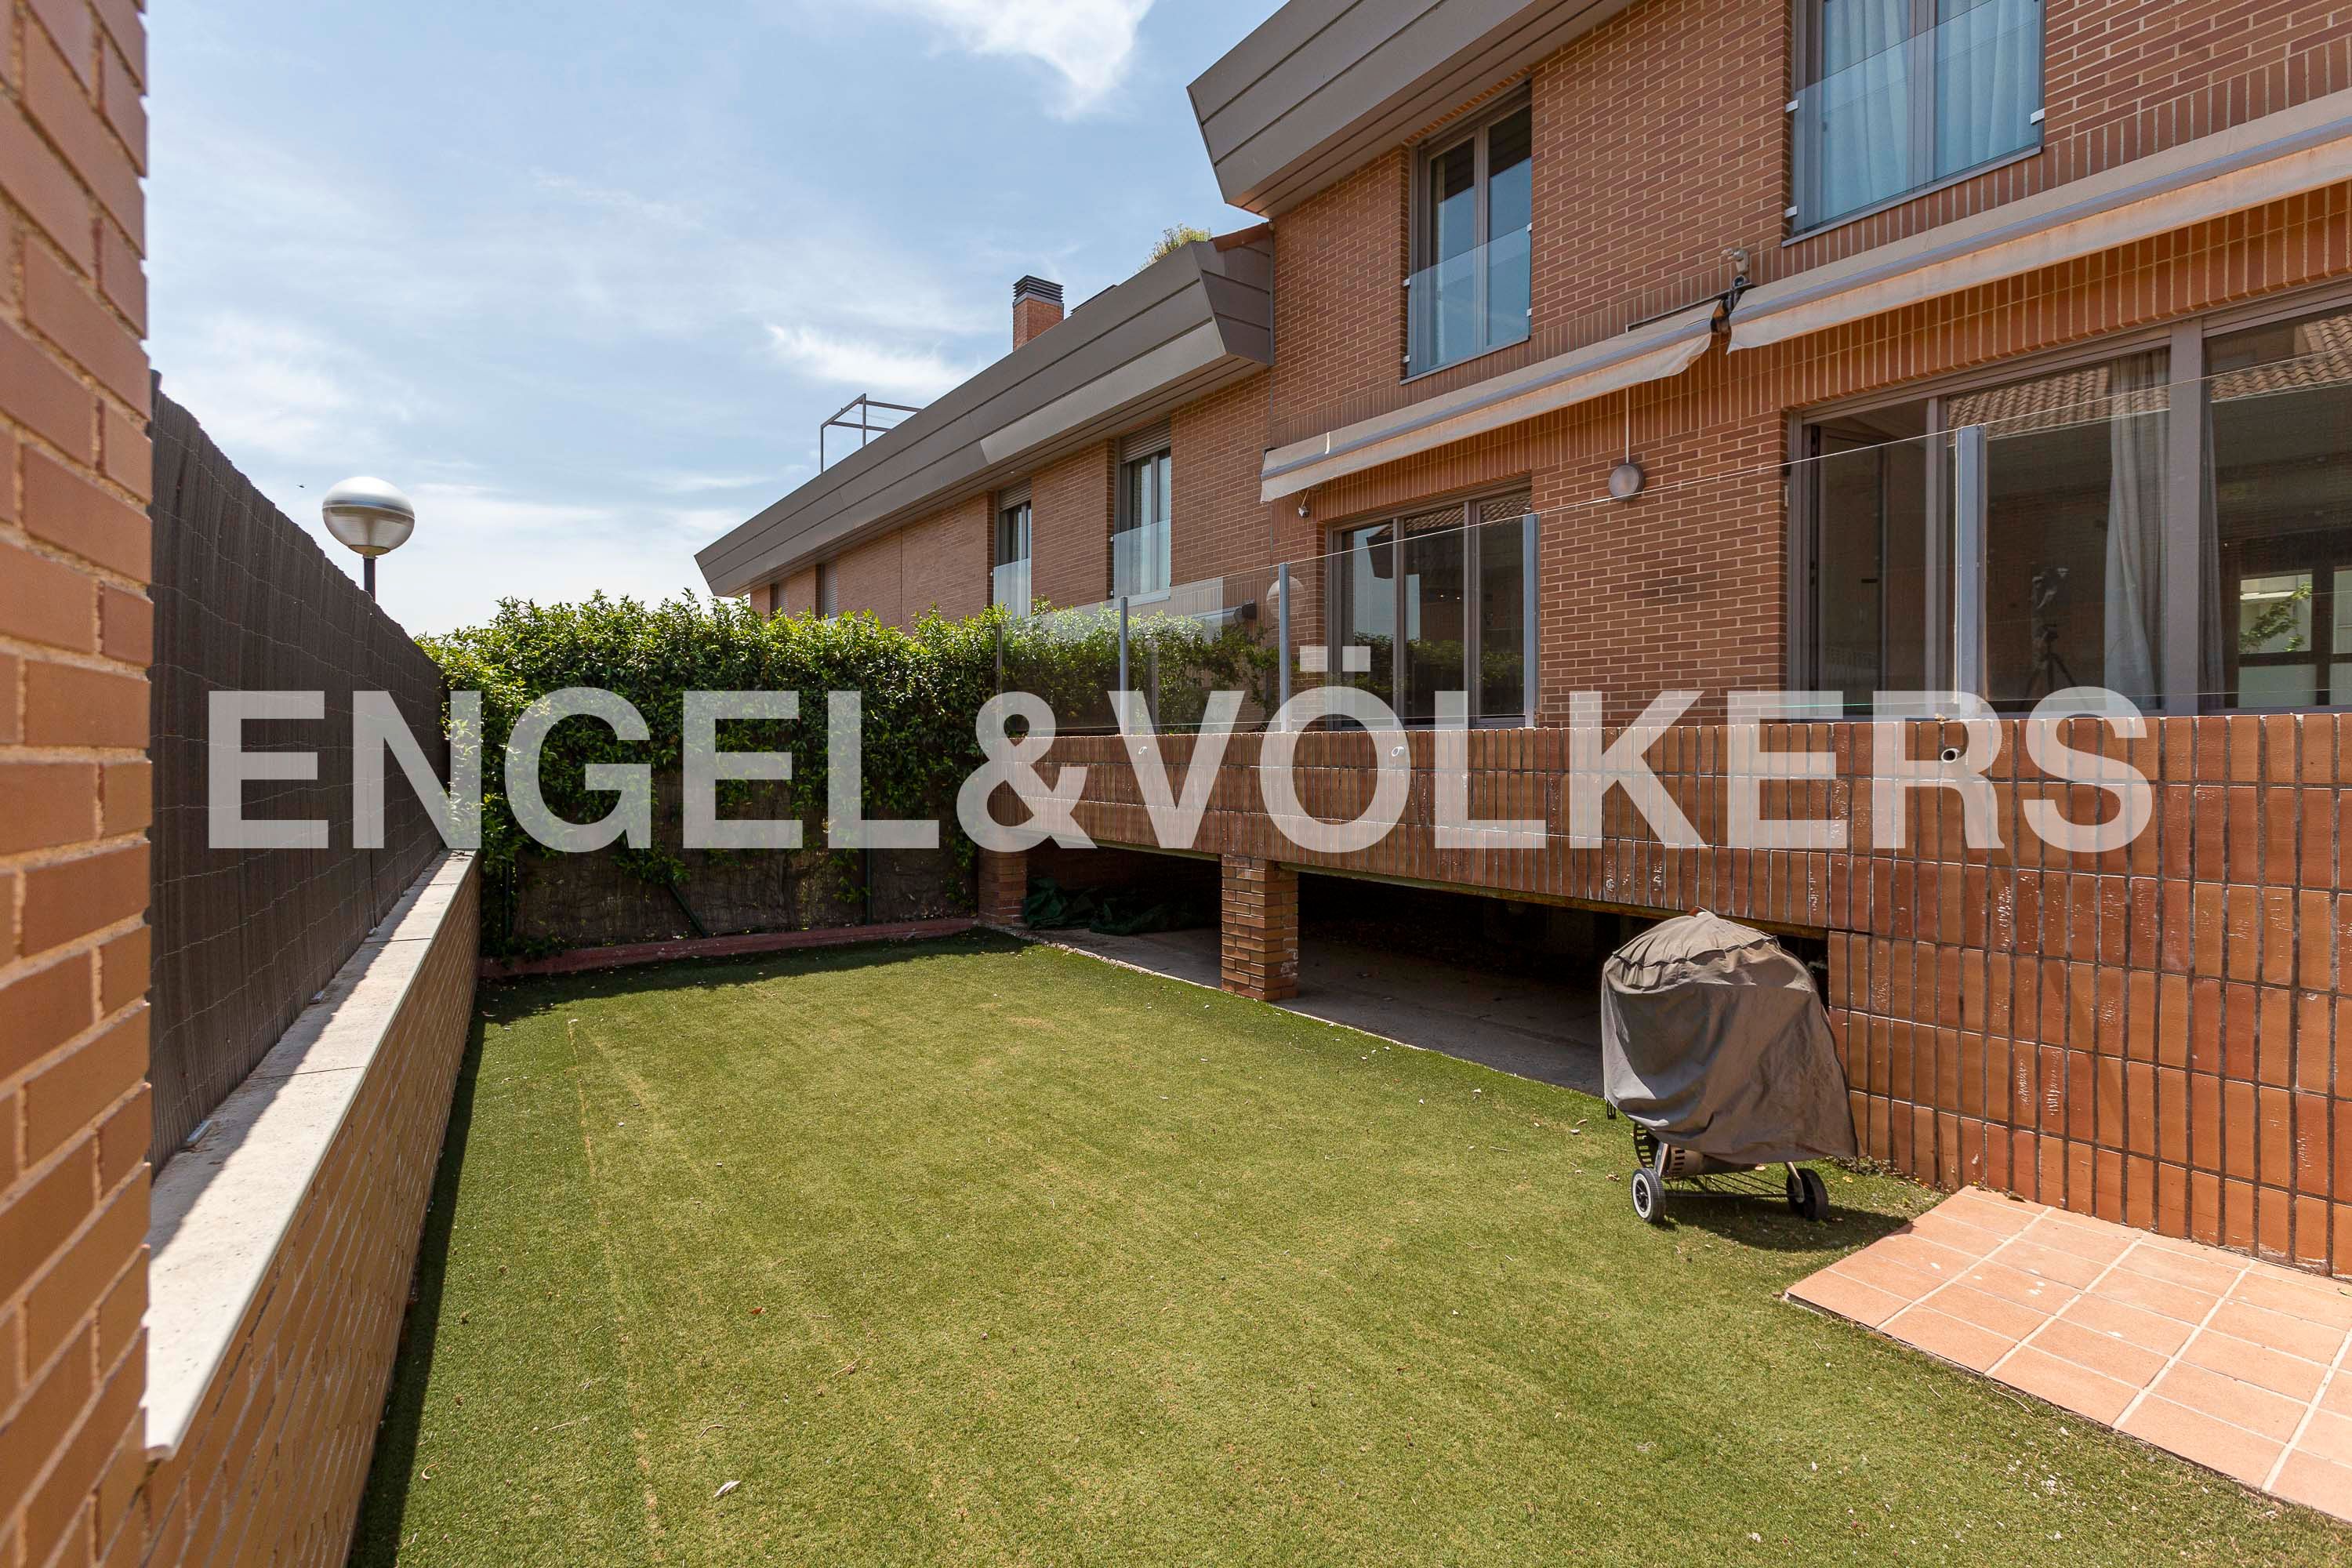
2285 154
1651 352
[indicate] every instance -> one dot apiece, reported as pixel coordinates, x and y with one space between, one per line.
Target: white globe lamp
369 517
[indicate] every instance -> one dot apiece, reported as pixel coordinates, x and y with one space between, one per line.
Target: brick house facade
2151 1036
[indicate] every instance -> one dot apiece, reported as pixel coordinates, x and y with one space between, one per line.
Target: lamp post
370 518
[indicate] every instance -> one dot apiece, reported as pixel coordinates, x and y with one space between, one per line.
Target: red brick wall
946 562
2150 1034
75 632
1213 448
796 594
275 1457
873 577
1070 513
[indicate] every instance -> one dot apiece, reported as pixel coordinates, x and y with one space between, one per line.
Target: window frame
1473 632
1419 245
1006 505
1160 455
1804 71
2181 592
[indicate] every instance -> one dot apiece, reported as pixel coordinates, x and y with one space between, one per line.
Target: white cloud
864 366
1089 44
274 389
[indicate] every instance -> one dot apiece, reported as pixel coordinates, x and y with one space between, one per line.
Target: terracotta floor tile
2289 1376
2101 1353
2094 1241
2227 1399
1914 1251
1971 1346
2206 1276
2070 1387
2329 1436
2319 1301
2028 1255
1898 1280
1997 1279
2338 1395
2152 1294
2149 1330
2196 1436
1835 1292
1996 1314
2279 1330
1991 1211
1958 1232
2314 1483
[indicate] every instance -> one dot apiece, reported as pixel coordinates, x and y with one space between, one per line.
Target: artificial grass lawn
975 1252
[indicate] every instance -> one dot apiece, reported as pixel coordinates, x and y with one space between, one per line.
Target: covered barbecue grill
1714 1044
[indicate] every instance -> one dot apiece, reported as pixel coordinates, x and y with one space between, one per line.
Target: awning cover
1651 352
2284 154
1713 1038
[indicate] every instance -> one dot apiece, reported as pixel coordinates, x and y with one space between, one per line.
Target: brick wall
945 564
1070 512
75 629
275 1457
873 577
796 594
1219 524
2151 1035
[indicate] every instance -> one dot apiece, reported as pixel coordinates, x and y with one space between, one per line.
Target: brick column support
1004 886
1259 929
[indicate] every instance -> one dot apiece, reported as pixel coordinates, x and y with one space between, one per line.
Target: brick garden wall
275 1457
2150 1034
74 631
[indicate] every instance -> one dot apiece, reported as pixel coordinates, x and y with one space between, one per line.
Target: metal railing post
1124 684
1282 627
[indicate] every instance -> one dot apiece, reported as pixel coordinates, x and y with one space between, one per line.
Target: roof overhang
1323 87
1198 320
2285 154
1651 352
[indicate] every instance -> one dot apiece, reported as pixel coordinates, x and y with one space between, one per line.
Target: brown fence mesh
244 938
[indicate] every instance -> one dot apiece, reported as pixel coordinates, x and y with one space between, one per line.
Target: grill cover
1713 1038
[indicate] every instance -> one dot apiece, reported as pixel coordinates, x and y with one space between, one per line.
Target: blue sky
584 277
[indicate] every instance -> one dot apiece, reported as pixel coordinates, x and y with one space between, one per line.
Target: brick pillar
1004 886
1259 927
75 629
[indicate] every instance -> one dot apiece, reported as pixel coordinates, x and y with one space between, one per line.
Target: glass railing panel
1898 112
1465 305
1009 587
1140 560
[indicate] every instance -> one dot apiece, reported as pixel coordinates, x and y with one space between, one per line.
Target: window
1898 95
1009 579
1141 542
1474 215
828 590
1435 602
2171 522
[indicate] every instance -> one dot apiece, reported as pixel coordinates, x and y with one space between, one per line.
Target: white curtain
2135 431
1862 105
1988 80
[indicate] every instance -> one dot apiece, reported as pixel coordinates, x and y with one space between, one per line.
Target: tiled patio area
2234 1363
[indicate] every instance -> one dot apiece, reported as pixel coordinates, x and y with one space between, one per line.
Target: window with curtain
2277 529
1896 95
1141 541
1436 601
1470 288
1009 579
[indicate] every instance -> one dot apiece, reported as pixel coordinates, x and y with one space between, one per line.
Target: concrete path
2237 1364
1549 1030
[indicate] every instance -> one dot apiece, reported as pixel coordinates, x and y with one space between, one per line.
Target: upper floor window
1898 95
1009 575
1142 543
828 589
1474 221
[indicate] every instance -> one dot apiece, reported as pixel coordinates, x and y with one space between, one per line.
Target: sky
582 279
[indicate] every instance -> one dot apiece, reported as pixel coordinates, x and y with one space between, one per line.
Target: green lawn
980 1253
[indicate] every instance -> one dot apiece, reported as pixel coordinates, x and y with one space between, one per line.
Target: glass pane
1502 611
1365 621
2074 529
2280 510
1858 116
1870 555
1142 548
1451 279
1510 208
1987 80
1436 624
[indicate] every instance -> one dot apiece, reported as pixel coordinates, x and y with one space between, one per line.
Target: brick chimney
1036 305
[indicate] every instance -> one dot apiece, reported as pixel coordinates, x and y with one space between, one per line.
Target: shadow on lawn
376 1536
1762 1220
511 1001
